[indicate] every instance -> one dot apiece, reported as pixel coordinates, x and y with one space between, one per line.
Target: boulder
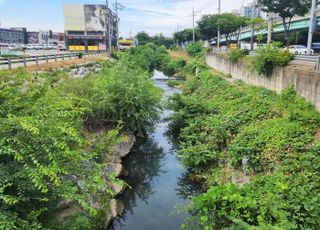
97 70
68 209
113 167
123 149
115 208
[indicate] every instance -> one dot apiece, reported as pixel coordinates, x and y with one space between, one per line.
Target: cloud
154 16
164 15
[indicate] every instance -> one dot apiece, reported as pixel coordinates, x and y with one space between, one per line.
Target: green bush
46 149
276 201
230 132
126 95
174 83
269 57
194 48
236 54
80 55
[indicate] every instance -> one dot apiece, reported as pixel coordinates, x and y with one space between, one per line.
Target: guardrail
37 59
314 59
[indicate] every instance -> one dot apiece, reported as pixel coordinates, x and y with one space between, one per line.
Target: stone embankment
113 161
114 166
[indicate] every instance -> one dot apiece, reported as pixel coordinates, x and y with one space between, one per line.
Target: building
247 10
86 25
32 37
13 35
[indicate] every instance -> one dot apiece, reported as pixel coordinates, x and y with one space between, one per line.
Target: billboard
85 17
95 17
74 18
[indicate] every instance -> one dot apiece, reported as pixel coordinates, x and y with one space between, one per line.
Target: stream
158 182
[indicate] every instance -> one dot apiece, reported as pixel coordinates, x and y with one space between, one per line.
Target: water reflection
188 185
158 182
143 165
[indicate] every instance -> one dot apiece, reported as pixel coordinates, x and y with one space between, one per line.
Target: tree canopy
186 35
143 38
286 10
159 39
228 23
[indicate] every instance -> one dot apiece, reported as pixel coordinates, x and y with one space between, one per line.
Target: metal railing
23 61
307 58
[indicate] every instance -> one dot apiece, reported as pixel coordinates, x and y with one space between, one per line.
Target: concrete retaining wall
305 81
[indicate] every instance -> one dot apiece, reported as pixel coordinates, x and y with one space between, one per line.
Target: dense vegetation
49 149
256 152
236 54
265 59
144 38
268 57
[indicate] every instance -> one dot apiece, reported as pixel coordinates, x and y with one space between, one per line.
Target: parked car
52 46
316 47
30 47
299 49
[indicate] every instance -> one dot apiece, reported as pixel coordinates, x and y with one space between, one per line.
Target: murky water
158 182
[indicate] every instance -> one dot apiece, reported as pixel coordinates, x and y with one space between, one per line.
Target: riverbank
58 132
158 183
254 150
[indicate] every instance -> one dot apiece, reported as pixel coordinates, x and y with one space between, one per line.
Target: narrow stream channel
158 182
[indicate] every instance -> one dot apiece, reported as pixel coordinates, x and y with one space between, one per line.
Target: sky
152 16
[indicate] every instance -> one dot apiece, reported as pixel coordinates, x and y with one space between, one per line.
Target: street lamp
311 25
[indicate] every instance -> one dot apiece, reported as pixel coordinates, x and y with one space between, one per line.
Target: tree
258 24
229 25
286 10
186 35
143 38
208 26
160 39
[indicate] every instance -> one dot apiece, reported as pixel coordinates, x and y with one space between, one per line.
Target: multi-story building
247 10
86 27
32 37
13 35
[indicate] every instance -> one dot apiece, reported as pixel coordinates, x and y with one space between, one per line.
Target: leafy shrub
46 154
267 202
235 130
80 55
269 57
194 48
128 95
236 54
202 148
174 83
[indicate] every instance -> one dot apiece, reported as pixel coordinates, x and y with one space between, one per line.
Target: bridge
298 24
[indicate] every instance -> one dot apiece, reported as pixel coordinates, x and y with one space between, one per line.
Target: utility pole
108 46
177 32
311 25
117 25
253 15
193 32
270 22
219 32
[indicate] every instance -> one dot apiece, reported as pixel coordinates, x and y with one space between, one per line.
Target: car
299 49
30 47
52 47
316 47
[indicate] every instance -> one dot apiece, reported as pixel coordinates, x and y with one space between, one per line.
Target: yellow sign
125 42
77 48
233 46
93 48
